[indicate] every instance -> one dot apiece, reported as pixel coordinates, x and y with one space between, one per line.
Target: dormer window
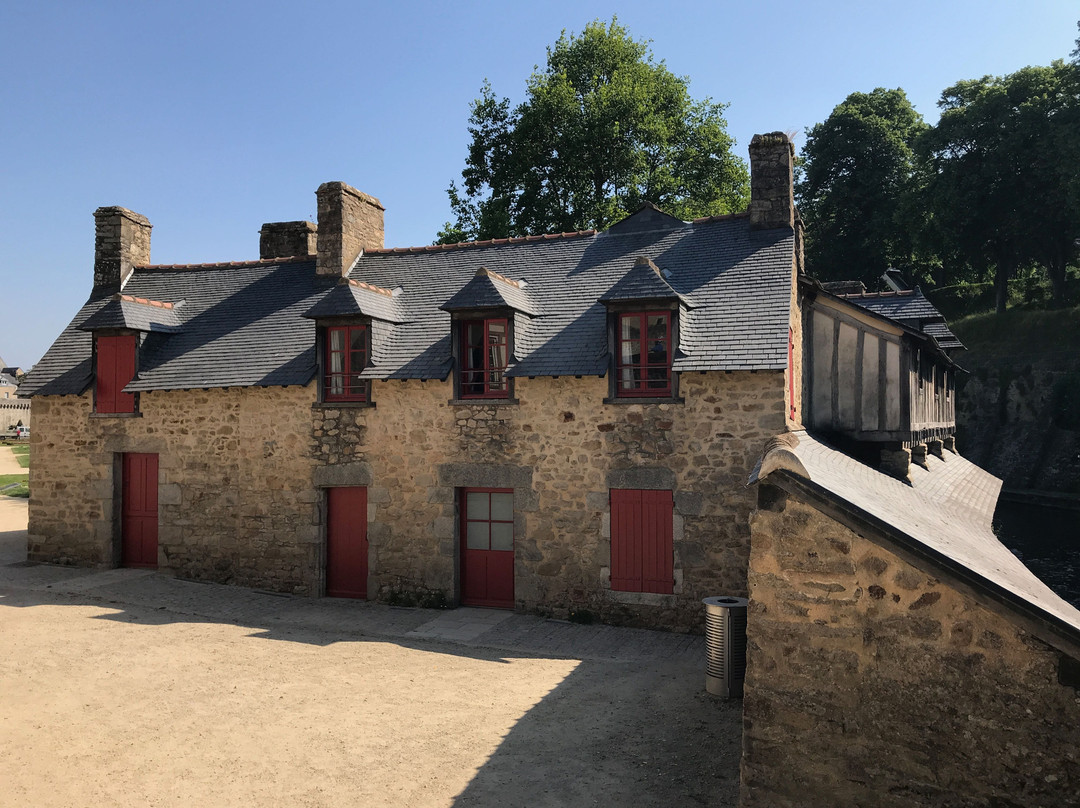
485 355
346 357
114 369
643 355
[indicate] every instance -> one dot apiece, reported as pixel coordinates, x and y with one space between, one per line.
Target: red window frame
345 363
483 369
637 378
642 548
115 368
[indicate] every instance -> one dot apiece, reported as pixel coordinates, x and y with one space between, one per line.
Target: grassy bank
1050 336
14 485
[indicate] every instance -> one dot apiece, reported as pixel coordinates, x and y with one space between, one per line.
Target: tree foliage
856 178
1003 172
603 128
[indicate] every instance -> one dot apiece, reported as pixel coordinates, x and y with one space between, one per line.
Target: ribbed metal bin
725 646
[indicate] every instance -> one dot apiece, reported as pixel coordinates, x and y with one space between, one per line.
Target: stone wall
13 412
236 501
561 450
871 682
241 473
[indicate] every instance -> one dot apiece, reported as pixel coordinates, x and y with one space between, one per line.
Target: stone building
565 424
559 423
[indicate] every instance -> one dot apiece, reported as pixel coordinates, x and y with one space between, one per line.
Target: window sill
481 402
116 415
343 405
646 400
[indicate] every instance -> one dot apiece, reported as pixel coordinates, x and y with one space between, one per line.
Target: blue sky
211 118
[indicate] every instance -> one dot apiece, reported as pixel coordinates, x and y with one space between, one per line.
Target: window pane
631 327
502 536
337 339
476 536
474 333
631 353
657 326
502 506
476 505
496 331
497 356
358 339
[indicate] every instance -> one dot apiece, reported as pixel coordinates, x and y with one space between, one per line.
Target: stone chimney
122 242
349 222
772 193
287 239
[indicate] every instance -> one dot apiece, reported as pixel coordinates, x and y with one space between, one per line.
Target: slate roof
911 308
644 281
351 298
136 313
241 325
244 323
737 280
488 289
945 514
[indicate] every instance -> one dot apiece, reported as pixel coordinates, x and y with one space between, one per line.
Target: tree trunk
1001 284
1055 268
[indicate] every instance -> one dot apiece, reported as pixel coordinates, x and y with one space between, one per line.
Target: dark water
1047 540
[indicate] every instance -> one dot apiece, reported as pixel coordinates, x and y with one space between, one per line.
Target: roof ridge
143 300
370 287
494 242
721 217
252 263
862 295
491 273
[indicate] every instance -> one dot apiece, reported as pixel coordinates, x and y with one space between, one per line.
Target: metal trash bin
725 646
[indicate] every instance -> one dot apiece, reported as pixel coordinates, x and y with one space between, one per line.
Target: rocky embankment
1018 407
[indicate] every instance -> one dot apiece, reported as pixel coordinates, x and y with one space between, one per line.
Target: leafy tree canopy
856 175
603 129
1003 178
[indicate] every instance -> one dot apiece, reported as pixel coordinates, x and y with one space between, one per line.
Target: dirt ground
131 706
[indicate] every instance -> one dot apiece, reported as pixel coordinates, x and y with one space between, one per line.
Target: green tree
1002 160
603 129
856 177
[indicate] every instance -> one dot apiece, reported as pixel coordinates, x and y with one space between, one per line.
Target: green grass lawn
1018 333
22 454
20 485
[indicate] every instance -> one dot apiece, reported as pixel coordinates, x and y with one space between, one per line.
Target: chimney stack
349 222
772 193
122 242
287 239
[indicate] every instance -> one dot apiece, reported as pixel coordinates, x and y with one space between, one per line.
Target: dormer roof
136 314
352 298
488 289
644 281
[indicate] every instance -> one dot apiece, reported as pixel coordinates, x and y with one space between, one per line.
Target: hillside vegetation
1018 407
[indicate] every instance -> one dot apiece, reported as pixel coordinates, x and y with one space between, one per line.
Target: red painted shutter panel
641 541
657 562
115 368
625 540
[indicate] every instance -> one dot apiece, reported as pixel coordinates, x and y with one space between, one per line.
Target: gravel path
121 687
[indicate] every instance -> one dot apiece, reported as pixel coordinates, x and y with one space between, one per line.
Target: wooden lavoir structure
872 378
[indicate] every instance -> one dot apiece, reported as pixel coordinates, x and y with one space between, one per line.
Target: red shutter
657 556
641 541
115 368
625 540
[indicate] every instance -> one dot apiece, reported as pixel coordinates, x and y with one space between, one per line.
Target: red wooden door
139 511
642 558
346 542
487 547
